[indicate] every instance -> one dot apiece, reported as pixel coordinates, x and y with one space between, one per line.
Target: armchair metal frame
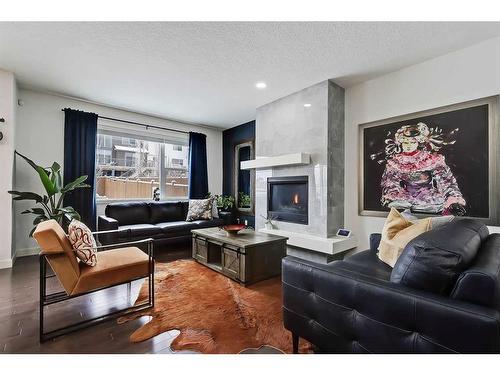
57 297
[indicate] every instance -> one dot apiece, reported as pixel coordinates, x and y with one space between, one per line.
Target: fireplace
287 199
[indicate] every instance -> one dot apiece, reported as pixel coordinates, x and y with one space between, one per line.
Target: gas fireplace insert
287 199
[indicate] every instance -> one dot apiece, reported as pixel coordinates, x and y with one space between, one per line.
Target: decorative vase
269 226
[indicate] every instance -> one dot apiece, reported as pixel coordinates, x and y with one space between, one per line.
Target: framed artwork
435 162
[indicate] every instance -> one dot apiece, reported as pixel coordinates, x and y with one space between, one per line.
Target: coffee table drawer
231 263
200 249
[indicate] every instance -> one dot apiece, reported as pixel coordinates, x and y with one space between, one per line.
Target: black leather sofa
443 296
164 222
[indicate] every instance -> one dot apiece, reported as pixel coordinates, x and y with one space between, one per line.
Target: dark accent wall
230 138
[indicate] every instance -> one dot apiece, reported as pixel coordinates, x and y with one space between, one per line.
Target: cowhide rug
213 313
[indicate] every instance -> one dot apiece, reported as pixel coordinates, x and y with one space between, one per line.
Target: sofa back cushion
129 213
163 212
433 260
480 283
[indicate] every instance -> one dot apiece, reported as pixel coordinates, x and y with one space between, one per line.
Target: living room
191 187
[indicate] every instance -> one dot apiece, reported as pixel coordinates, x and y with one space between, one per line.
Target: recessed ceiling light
261 85
307 105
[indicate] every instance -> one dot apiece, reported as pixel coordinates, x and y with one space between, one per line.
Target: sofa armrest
338 308
106 224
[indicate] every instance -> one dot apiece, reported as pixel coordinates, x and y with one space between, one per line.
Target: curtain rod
140 124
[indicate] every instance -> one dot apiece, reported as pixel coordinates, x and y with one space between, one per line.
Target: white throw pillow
83 242
215 210
200 209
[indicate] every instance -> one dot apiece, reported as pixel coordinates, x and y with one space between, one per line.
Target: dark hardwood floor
19 315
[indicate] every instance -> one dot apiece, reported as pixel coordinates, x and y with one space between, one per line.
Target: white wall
8 112
463 75
40 131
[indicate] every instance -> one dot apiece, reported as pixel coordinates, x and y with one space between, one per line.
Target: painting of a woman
417 178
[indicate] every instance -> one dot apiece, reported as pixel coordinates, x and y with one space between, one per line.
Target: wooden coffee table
247 257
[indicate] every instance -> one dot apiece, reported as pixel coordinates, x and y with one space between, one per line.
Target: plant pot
269 226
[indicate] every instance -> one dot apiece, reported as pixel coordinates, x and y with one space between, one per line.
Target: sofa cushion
138 230
371 265
129 213
480 283
433 260
216 222
176 227
162 212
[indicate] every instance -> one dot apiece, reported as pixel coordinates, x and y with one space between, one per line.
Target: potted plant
50 206
244 200
268 221
225 203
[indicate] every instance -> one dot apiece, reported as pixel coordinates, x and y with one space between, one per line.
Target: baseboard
6 263
27 252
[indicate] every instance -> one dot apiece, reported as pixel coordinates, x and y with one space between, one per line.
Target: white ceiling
205 72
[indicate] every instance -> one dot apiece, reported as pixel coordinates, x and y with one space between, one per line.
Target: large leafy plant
50 205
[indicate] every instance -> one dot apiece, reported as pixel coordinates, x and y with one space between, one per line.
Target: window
130 166
178 162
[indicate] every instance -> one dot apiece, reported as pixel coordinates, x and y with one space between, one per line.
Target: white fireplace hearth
314 248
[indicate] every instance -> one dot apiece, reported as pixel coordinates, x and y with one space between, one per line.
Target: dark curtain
80 131
198 175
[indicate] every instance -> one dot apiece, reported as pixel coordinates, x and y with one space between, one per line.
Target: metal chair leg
295 343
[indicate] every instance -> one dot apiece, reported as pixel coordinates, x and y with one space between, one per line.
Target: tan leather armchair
115 266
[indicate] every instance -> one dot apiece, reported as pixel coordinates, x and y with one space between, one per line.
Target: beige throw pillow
396 234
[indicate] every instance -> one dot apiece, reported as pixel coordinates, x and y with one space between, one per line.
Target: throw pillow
407 214
434 260
215 210
200 209
83 242
396 234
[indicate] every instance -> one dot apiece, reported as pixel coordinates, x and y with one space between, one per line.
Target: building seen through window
128 167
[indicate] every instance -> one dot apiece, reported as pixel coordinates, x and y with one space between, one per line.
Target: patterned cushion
83 242
200 209
215 210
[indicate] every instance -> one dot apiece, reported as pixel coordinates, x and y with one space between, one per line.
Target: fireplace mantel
300 158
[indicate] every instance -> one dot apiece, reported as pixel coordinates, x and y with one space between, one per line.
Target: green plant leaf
55 167
39 219
78 183
55 176
70 213
32 231
26 195
49 186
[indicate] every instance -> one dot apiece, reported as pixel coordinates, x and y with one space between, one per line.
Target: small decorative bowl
233 229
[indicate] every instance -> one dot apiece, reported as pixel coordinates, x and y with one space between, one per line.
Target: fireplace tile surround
317 130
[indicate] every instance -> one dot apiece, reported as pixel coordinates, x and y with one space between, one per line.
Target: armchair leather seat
113 267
